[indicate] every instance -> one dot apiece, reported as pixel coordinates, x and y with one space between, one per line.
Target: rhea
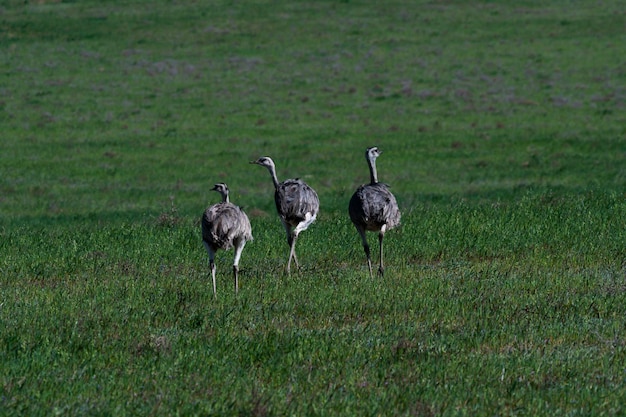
373 208
297 205
224 226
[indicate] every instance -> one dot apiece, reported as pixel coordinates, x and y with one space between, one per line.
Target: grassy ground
503 135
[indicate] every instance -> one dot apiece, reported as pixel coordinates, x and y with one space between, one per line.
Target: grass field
503 131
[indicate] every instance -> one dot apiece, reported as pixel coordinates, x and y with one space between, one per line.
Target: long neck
225 198
373 174
272 170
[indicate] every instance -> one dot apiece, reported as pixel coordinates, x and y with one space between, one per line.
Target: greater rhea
224 226
297 205
373 208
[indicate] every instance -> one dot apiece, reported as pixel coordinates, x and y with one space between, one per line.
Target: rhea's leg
302 226
238 250
290 242
211 265
292 252
381 268
236 275
213 275
295 258
366 247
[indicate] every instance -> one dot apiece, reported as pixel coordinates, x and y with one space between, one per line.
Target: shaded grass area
465 98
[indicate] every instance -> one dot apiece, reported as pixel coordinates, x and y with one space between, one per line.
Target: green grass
504 140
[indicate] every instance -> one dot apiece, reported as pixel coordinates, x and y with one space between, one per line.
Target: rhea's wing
245 229
223 223
294 199
373 205
356 208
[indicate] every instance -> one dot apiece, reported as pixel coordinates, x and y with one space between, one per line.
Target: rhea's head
264 161
372 153
222 189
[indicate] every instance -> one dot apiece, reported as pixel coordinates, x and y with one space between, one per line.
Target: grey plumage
224 226
373 208
297 205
